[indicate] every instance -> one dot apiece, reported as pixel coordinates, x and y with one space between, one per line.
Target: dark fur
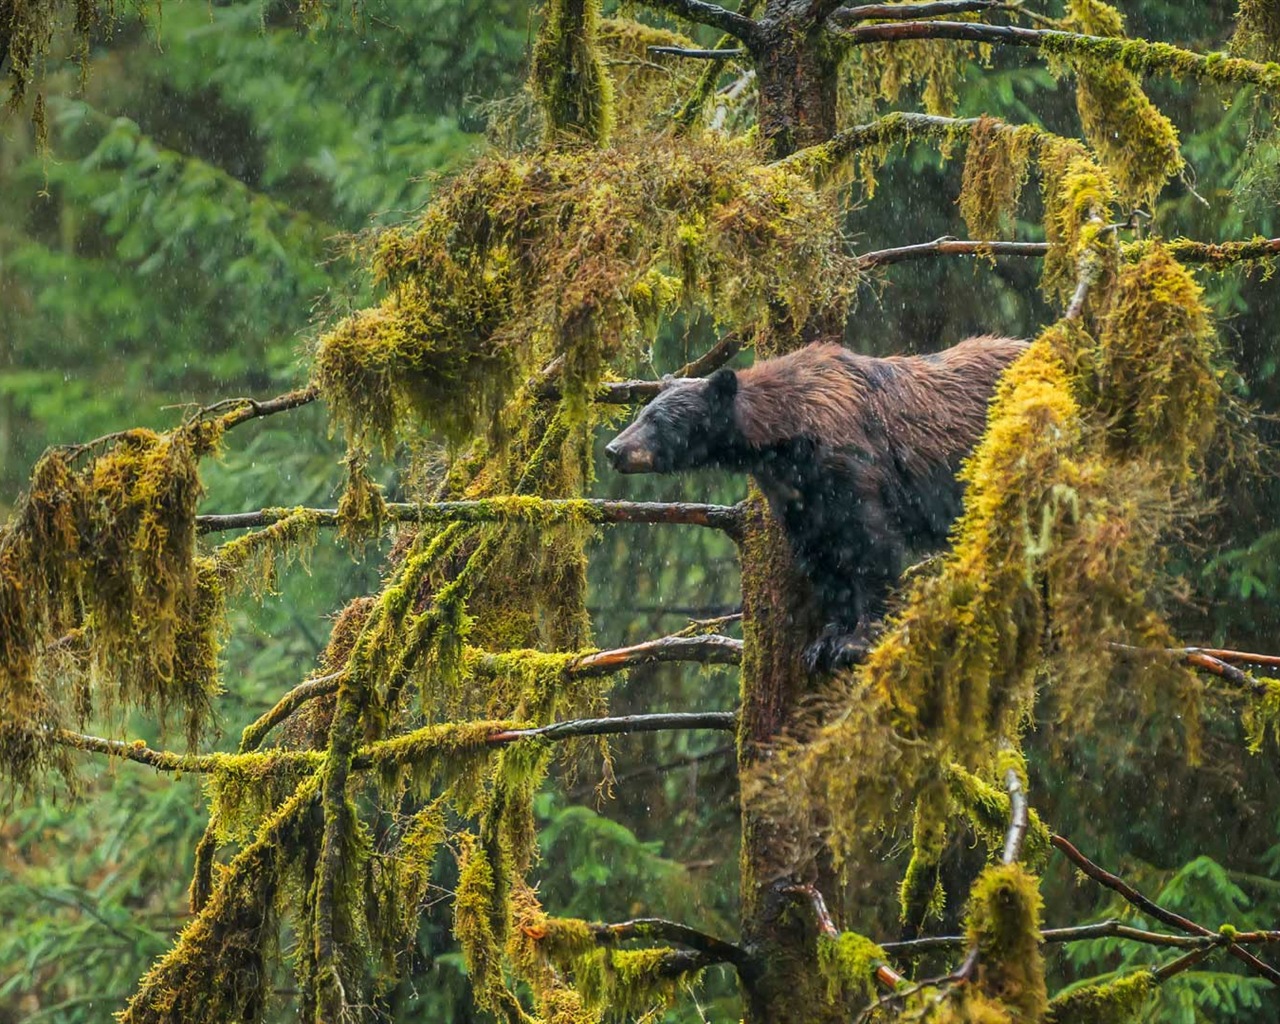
858 457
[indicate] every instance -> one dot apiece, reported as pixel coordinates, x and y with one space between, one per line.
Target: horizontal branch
407 748
898 126
711 649
1218 255
670 931
1136 55
535 511
245 409
906 11
1210 660
683 51
1079 933
703 13
718 720
625 392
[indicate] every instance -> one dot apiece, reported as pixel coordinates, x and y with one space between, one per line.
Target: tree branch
535 511
702 13
1018 817
681 51
1079 933
906 11
721 720
308 689
1136 55
1218 255
671 931
245 409
1152 909
624 392
711 649
403 749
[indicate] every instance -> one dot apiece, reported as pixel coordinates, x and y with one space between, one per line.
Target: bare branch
1018 817
671 931
722 720
681 51
905 11
624 392
823 916
537 511
702 13
1211 661
1152 909
948 246
1079 933
1136 55
712 649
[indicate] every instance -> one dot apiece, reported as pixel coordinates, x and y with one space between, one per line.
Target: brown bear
858 457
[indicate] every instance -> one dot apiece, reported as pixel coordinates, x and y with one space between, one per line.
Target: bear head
690 424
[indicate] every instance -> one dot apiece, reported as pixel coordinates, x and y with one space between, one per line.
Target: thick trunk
779 927
796 75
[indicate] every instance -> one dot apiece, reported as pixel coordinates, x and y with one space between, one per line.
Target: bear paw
839 647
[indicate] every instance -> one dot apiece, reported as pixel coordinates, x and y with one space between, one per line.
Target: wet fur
858 457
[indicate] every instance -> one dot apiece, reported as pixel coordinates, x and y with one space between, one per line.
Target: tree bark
796 75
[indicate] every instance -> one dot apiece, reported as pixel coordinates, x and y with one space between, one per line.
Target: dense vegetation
459 225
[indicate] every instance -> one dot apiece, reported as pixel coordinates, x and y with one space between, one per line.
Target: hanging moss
362 512
474 908
1263 715
255 559
1136 142
995 169
631 984
1257 32
1004 925
988 811
848 963
1075 191
645 90
1113 1002
921 898
525 258
569 76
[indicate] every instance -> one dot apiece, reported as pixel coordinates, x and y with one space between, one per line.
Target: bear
858 457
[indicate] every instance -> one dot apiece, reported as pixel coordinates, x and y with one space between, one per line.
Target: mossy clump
105 550
995 169
848 964
632 984
646 89
1113 1002
362 511
987 810
553 253
921 898
569 75
1137 143
1078 197
1003 924
1257 34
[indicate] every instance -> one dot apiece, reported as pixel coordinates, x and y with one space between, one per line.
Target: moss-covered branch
242 410
717 720
1136 55
843 16
718 950
511 509
624 392
1218 255
701 13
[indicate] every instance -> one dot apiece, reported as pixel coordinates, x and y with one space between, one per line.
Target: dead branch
1079 933
245 409
671 931
1215 662
1152 909
711 649
1018 817
823 916
1217 255
546 510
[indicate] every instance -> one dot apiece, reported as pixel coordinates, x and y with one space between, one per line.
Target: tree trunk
796 75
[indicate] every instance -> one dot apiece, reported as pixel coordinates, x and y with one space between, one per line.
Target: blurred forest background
190 227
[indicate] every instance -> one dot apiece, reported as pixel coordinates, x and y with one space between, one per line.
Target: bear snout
629 458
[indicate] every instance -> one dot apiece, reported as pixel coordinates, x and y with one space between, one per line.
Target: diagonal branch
702 13
1152 909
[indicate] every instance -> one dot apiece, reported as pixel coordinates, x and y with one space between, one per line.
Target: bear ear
723 384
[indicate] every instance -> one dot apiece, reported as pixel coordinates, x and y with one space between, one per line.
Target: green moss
848 963
988 811
995 169
1114 1002
362 511
1004 924
474 909
1257 30
921 898
1137 143
1263 715
631 984
255 559
569 76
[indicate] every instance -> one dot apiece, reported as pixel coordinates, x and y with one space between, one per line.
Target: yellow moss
1075 191
474 909
1114 1002
362 512
255 559
921 898
1257 32
645 89
1004 924
1137 143
987 809
631 984
848 963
